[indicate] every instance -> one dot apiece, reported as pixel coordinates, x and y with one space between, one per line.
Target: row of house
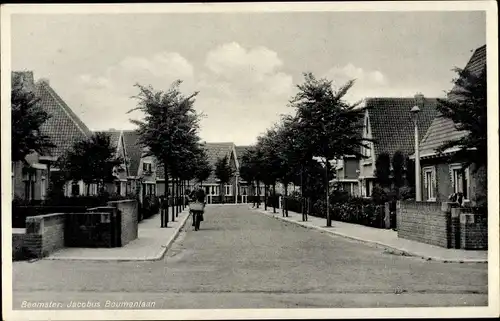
138 174
388 122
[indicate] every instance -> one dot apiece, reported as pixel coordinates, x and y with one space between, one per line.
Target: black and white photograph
246 160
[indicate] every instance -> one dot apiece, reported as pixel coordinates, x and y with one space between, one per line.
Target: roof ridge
71 114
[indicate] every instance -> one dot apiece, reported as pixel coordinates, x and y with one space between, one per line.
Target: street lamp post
418 190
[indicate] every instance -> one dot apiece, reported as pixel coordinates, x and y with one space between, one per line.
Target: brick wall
129 219
18 236
424 222
44 234
473 231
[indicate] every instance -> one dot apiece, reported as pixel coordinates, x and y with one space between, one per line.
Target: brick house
245 188
212 186
388 122
30 180
121 172
141 170
439 177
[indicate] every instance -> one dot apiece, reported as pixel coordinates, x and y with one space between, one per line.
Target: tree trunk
265 197
258 194
173 199
328 218
274 198
164 211
302 198
177 205
286 200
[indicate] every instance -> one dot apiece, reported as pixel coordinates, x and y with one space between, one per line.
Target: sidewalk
151 244
382 237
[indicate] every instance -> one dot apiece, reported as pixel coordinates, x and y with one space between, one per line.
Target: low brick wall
44 234
473 231
129 211
18 236
95 228
424 222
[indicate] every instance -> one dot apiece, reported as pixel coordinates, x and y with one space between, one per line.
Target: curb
400 251
157 257
176 233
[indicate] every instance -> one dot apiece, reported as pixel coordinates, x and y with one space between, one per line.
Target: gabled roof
392 124
114 136
63 127
443 129
214 152
240 151
133 150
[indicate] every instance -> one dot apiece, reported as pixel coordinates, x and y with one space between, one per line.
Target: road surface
244 259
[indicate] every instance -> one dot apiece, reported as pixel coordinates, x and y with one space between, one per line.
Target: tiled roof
392 124
214 152
443 129
63 127
240 150
133 150
114 136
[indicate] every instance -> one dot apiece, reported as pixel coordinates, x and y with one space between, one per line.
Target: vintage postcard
250 160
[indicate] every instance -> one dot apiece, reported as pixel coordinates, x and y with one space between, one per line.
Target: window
429 183
368 188
215 190
43 188
123 188
75 189
460 180
146 167
29 183
229 190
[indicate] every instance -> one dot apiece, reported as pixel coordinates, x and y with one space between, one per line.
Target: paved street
243 259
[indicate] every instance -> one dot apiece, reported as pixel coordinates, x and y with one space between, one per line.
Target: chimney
419 99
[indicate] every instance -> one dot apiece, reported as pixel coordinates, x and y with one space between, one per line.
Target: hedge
354 210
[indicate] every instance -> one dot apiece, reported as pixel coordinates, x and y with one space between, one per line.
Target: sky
246 66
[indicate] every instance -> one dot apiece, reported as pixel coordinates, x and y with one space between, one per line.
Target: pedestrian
197 206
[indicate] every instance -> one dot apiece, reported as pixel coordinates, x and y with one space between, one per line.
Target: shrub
356 210
150 206
339 196
380 195
406 192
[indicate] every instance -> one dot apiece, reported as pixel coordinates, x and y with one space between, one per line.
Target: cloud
236 71
242 90
106 98
368 83
349 71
